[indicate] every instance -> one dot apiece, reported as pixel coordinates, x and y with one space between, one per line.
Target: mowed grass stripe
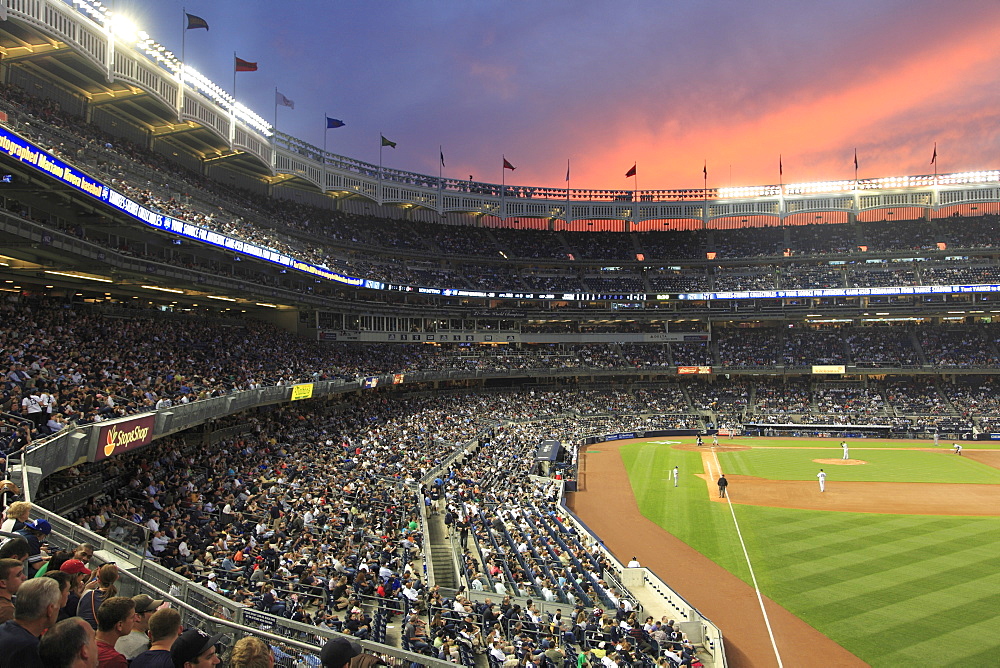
881 466
910 540
893 589
705 526
969 628
904 585
858 443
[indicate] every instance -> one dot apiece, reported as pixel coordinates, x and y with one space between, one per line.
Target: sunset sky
666 85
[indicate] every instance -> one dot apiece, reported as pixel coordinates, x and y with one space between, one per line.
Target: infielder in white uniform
822 480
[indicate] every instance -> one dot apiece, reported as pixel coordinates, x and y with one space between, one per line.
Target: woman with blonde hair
15 516
98 590
251 652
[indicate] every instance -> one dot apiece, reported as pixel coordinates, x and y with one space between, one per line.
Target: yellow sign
304 391
829 368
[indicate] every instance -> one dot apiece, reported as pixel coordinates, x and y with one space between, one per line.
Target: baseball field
897 562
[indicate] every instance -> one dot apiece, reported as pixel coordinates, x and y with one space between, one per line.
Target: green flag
386 142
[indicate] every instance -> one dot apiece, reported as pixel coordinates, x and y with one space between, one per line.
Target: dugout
546 455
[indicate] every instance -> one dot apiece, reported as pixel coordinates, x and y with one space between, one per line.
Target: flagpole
567 191
704 195
781 190
180 88
503 187
635 186
275 108
380 135
234 81
183 34
326 129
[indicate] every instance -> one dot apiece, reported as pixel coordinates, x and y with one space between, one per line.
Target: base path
896 498
608 507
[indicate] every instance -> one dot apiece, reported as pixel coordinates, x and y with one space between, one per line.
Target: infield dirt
606 504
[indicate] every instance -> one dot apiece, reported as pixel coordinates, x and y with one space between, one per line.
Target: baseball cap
41 525
145 603
74 566
190 645
338 651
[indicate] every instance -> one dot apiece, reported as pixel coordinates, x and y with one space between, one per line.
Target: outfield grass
833 444
895 590
888 465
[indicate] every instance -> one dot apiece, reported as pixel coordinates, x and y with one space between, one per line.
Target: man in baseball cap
74 567
137 642
195 649
338 652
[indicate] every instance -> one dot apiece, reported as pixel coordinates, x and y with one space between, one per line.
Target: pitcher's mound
841 462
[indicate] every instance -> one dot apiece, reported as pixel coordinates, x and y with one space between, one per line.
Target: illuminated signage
829 368
694 369
28 153
303 391
842 292
119 437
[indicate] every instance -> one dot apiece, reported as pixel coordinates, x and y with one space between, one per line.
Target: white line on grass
760 598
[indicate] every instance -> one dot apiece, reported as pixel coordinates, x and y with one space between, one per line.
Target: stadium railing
215 613
79 444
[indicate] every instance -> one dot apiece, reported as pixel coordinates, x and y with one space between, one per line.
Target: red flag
245 66
507 165
631 172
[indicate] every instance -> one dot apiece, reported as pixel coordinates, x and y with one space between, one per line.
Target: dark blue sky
666 85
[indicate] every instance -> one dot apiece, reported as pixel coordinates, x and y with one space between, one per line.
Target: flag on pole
567 170
245 66
386 142
442 156
704 169
934 157
631 171
781 169
507 165
280 99
195 22
334 123
855 159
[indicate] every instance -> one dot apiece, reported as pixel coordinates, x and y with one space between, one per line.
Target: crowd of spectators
332 239
311 513
66 365
876 347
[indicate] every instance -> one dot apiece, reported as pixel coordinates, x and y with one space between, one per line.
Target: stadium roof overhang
25 45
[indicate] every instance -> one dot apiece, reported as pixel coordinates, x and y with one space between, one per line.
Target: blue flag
334 123
195 22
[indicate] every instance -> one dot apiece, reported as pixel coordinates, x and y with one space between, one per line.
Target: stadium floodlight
222 299
85 277
124 28
157 287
